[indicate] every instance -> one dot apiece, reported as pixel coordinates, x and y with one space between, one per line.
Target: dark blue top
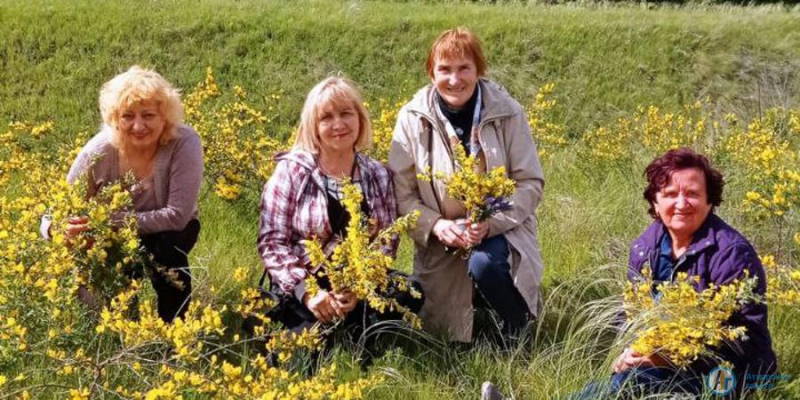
461 119
662 270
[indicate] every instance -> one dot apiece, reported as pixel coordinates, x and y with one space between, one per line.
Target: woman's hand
76 225
450 233
631 359
324 306
347 301
476 232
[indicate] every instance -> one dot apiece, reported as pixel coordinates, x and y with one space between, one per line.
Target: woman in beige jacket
461 108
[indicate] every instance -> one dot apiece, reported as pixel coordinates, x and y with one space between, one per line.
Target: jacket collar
705 237
310 162
496 102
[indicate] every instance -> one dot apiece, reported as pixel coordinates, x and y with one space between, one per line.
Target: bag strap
263 278
429 127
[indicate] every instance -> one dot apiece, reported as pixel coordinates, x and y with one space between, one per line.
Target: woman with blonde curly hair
142 136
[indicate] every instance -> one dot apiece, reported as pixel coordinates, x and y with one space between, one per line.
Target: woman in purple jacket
686 236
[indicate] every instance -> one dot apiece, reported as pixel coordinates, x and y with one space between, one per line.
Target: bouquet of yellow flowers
361 265
483 195
103 253
682 323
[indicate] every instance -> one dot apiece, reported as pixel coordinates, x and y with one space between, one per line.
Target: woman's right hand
76 226
324 306
450 233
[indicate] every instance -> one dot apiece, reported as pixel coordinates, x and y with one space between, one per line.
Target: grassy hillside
605 62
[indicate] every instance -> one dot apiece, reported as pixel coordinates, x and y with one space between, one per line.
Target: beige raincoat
419 142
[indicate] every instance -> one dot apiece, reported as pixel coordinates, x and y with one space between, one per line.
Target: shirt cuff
44 227
300 291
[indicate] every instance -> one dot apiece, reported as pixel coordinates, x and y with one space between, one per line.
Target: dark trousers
491 273
296 317
171 278
640 382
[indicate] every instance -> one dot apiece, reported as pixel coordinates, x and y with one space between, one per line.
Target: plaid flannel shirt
294 207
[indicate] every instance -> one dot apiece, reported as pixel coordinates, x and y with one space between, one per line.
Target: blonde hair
456 43
134 86
338 92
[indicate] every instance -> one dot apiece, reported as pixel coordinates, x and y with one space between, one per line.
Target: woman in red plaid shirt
302 200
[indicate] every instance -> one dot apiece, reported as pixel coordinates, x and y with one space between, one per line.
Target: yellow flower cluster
238 141
661 132
13 144
360 263
769 162
480 193
383 128
783 282
111 240
256 380
682 323
650 130
549 135
183 335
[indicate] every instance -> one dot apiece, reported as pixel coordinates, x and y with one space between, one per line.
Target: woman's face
683 203
142 125
338 128
455 80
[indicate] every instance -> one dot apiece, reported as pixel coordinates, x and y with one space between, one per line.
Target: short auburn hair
340 93
137 85
457 43
660 171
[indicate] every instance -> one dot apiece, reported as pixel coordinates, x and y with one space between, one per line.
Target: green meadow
605 62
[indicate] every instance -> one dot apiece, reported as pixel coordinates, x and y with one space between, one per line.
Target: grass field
604 61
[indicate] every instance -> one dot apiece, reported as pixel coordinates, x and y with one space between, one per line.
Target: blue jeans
491 273
638 382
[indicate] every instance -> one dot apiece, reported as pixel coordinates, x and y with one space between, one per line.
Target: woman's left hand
347 301
631 359
476 232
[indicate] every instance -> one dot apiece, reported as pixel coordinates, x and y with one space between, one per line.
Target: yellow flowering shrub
649 130
664 131
609 144
383 128
682 323
239 141
783 282
359 263
769 162
53 345
549 136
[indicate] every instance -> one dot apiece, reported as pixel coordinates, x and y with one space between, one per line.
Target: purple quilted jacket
719 254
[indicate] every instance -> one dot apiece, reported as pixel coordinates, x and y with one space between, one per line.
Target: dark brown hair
660 170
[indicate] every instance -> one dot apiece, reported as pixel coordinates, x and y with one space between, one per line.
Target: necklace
141 167
333 186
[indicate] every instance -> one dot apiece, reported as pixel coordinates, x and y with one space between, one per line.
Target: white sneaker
489 392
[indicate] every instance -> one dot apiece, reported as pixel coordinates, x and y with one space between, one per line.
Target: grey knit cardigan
177 175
